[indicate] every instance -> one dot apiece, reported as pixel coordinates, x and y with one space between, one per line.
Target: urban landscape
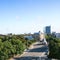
29 30
37 46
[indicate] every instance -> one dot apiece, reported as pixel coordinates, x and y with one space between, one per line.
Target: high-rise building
47 30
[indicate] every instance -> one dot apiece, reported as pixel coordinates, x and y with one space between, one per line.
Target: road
36 52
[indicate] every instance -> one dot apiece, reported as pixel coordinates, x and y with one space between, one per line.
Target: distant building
54 34
57 35
37 35
29 37
47 30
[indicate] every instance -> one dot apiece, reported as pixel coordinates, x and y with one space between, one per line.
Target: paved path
35 52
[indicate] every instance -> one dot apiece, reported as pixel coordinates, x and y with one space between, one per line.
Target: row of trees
54 46
11 45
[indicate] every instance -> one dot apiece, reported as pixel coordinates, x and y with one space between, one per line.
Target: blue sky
25 16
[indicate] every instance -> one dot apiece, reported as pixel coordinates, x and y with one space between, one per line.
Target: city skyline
25 16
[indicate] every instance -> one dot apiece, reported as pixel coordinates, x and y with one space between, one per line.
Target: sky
29 16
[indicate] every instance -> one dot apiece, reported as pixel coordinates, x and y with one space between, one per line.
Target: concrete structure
54 34
38 52
42 39
47 30
37 35
42 36
57 35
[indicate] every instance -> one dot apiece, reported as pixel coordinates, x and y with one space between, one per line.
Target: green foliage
11 45
54 47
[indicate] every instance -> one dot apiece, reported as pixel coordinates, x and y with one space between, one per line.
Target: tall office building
47 30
